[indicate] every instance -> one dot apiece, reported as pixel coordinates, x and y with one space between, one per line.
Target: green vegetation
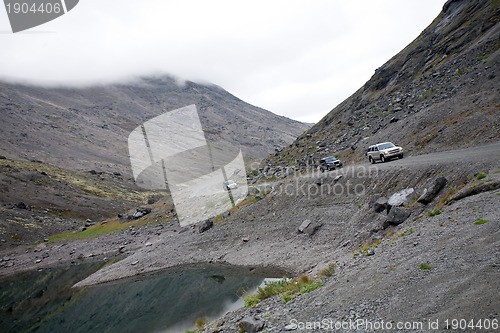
96 230
287 288
327 272
481 176
428 93
496 45
476 185
434 213
364 249
425 267
200 322
481 221
409 231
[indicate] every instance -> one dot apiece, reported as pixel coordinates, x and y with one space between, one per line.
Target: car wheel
382 158
372 161
401 156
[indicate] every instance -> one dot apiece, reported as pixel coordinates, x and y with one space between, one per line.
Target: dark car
329 163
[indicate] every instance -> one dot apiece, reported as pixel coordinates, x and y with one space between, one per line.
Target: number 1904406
478 324
25 8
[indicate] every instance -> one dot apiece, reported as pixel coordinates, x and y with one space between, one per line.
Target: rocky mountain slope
87 128
440 92
397 258
65 156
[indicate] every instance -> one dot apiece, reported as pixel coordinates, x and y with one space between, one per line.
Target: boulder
380 205
430 193
401 198
308 227
205 225
251 325
22 205
124 218
140 212
304 226
397 215
313 228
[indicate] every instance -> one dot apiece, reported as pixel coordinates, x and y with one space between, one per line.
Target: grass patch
481 176
201 322
476 185
364 249
95 231
409 231
481 221
287 288
434 213
327 272
425 267
428 93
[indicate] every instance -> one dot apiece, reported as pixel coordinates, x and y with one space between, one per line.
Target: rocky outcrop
397 215
205 225
436 94
400 198
430 193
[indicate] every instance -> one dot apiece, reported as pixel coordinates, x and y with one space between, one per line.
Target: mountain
87 128
64 151
440 92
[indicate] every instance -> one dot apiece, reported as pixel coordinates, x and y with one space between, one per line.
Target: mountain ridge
434 95
87 128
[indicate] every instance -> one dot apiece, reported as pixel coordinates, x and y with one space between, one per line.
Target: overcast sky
294 58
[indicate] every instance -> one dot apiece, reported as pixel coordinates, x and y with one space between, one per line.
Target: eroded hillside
440 92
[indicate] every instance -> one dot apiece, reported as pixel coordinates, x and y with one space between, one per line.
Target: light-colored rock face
401 198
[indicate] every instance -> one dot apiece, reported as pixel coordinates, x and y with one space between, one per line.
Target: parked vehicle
383 152
329 163
230 185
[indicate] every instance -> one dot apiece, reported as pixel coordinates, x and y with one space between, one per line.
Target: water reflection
168 302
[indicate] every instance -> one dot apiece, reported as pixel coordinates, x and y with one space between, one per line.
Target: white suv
383 152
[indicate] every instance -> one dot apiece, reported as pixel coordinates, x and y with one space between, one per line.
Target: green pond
170 301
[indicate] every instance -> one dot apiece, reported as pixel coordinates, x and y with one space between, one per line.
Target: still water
44 301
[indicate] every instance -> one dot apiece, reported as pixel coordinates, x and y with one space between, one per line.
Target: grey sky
295 58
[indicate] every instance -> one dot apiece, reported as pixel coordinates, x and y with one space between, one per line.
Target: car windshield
230 182
386 146
330 159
